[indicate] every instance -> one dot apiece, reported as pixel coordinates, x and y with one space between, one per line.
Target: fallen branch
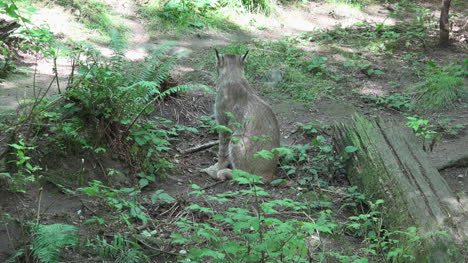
199 147
212 185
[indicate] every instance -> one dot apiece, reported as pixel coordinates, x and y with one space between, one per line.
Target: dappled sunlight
311 17
372 89
136 54
62 23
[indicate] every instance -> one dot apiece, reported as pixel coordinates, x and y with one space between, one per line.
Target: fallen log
391 165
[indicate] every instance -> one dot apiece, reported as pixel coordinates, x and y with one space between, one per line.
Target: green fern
120 249
156 69
50 240
118 45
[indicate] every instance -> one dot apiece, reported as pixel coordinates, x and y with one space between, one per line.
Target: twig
34 78
85 206
56 75
39 206
212 185
199 147
153 248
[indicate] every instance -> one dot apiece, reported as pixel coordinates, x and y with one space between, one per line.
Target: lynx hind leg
215 173
241 157
224 174
211 171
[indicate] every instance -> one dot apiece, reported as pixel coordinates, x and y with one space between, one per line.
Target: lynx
252 121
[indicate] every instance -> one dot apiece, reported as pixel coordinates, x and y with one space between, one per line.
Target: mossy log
391 165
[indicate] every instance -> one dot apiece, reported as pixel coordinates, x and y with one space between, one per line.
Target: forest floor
338 104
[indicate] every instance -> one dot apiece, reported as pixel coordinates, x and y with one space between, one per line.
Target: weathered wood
460 161
391 165
6 28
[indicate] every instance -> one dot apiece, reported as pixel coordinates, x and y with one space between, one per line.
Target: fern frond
118 45
121 249
182 88
49 240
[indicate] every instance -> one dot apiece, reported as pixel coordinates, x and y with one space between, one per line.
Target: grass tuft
442 86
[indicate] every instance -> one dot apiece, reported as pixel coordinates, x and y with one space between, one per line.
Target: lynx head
230 63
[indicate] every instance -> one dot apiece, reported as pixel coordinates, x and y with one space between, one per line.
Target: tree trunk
444 23
391 165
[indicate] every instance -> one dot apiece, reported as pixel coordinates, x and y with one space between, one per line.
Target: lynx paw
224 174
213 172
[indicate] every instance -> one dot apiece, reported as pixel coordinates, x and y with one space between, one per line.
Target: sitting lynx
253 123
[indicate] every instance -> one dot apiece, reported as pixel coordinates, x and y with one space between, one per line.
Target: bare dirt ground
187 109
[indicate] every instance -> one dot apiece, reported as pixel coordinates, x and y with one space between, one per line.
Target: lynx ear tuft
245 55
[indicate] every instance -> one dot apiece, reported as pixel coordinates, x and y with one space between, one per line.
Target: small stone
460 176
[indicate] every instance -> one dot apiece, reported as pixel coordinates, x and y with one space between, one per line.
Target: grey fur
254 118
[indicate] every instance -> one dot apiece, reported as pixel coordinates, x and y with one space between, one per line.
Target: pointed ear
245 55
218 55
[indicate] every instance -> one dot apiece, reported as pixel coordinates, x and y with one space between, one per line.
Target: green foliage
363 67
95 14
256 236
50 240
425 131
120 249
442 85
317 65
124 201
294 64
150 141
11 9
27 38
378 38
187 15
379 240
111 99
447 126
396 101
354 3
25 171
313 163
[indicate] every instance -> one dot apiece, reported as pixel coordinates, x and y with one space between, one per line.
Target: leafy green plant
25 171
124 200
111 99
442 85
317 65
447 126
95 14
50 240
424 130
257 237
313 163
120 249
379 38
396 101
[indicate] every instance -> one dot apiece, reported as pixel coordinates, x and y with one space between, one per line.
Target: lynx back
252 121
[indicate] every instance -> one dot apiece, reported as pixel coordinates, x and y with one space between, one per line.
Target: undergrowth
95 14
109 105
442 85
